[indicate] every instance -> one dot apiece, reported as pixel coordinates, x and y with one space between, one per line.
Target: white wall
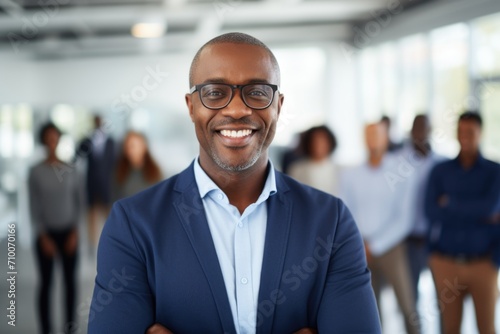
93 82
20 80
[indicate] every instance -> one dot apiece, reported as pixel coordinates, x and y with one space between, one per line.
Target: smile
236 133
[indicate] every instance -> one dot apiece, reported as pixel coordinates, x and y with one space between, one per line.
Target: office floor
26 322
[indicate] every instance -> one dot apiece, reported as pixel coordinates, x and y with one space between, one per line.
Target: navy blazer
157 263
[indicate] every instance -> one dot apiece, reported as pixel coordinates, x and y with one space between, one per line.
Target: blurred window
16 131
486 32
490 102
370 88
415 81
303 84
389 70
450 82
76 122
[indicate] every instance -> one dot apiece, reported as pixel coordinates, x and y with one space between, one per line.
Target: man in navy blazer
230 245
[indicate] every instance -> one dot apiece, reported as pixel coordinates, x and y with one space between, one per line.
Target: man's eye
214 93
258 95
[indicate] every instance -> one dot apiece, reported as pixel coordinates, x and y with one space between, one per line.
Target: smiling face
51 139
420 130
234 138
376 138
469 136
135 149
320 145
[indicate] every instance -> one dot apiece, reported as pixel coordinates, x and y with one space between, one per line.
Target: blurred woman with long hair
136 169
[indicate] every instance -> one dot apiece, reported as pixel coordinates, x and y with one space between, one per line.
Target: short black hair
232 38
309 135
46 127
421 116
471 115
385 119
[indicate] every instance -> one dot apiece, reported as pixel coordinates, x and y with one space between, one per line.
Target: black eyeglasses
219 95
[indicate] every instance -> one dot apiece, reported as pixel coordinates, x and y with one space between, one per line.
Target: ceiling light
148 30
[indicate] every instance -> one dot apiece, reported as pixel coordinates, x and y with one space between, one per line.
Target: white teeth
236 134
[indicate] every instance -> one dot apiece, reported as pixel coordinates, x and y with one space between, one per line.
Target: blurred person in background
136 169
420 159
381 202
99 151
55 205
293 154
317 169
391 145
462 197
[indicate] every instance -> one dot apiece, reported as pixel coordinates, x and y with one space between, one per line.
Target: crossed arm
346 296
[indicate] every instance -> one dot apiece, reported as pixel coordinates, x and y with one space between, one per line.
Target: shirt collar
206 184
479 161
383 162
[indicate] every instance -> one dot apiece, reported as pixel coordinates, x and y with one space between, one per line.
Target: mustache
241 121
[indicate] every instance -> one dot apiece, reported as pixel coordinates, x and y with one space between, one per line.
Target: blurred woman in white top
317 168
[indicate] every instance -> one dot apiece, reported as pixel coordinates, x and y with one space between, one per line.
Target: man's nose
237 108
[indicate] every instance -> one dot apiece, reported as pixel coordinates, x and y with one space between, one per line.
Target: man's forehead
374 127
238 60
230 50
469 123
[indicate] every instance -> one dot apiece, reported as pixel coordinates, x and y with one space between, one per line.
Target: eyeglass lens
257 96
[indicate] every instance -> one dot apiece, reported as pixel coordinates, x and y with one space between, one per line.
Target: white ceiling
99 28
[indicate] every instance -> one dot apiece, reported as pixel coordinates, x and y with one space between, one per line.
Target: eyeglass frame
198 88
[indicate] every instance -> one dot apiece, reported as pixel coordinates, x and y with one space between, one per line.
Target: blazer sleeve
122 301
348 303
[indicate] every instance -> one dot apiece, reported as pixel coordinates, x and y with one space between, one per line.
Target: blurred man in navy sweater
462 200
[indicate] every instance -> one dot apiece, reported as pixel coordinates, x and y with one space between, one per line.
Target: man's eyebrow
259 81
222 80
215 80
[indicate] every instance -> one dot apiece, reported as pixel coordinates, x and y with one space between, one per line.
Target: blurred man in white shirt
378 193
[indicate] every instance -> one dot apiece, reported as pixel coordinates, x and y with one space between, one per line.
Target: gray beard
238 168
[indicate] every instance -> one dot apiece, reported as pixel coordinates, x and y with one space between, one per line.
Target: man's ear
189 103
281 99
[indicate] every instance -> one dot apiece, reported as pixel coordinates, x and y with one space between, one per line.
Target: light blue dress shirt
239 242
381 200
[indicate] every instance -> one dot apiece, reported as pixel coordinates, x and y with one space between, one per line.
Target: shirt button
221 197
240 224
244 280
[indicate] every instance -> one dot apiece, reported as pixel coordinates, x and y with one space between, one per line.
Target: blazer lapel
192 214
277 231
